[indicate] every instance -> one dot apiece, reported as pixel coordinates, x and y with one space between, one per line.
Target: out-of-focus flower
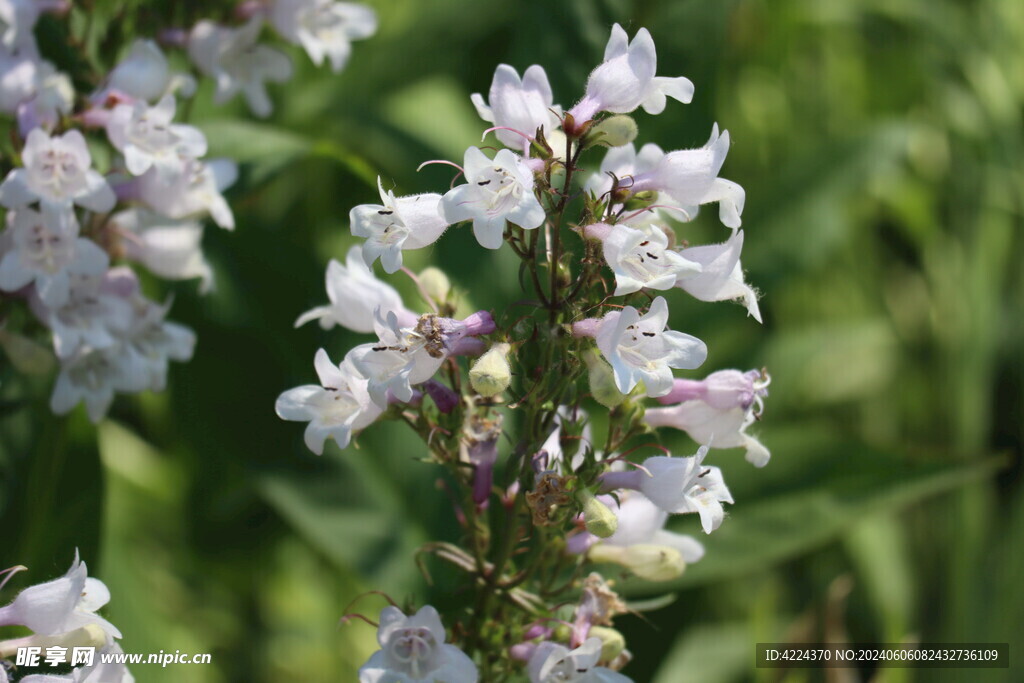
397 223
496 191
232 57
355 294
626 80
145 74
18 20
324 28
520 104
168 247
412 650
148 139
57 173
196 191
46 249
335 409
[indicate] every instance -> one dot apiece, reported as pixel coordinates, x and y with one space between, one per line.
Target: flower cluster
596 318
62 617
73 227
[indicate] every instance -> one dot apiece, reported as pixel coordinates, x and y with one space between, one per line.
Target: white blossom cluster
72 229
633 202
62 615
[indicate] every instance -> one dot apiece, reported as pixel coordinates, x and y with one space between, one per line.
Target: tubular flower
396 224
412 650
641 349
338 407
690 177
718 411
324 28
626 80
496 191
57 173
355 294
520 104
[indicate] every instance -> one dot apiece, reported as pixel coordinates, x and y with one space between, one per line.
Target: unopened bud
599 520
26 356
491 374
602 380
612 642
615 131
435 283
651 562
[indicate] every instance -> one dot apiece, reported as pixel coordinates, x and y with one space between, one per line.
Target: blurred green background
880 144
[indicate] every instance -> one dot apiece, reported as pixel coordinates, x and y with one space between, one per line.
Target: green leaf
267 150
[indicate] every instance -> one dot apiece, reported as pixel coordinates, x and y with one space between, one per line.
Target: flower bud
614 131
612 642
26 356
651 562
602 380
599 520
491 374
435 283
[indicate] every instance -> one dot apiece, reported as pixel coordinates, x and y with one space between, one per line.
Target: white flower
681 485
554 663
690 177
524 105
324 28
18 79
496 191
237 64
94 316
400 359
721 275
707 424
144 74
57 172
336 409
643 260
18 20
397 223
626 80
47 250
413 651
625 163
168 247
355 294
195 191
641 522
641 349
61 605
148 139
148 345
104 672
35 90
92 376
